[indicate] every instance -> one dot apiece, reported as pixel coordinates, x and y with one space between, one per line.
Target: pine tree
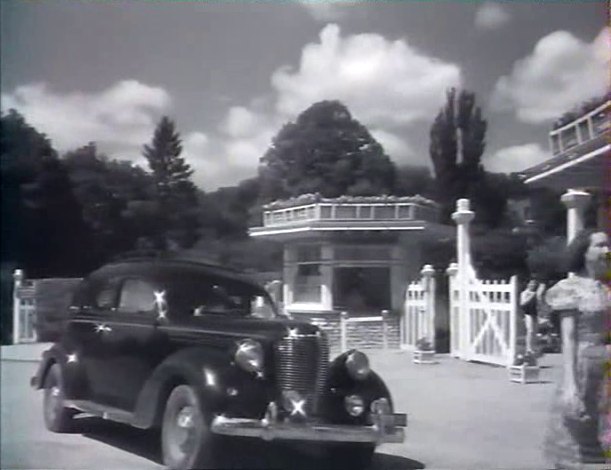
175 192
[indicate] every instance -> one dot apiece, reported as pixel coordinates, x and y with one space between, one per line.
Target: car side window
137 295
105 296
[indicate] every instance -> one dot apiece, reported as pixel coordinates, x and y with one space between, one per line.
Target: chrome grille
302 362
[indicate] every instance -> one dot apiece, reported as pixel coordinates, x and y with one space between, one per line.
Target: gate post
463 217
428 283
17 282
343 329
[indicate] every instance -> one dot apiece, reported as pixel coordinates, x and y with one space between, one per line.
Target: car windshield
198 297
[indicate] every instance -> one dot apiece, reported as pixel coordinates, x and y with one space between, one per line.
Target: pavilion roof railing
353 209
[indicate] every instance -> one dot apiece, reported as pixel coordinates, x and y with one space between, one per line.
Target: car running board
102 411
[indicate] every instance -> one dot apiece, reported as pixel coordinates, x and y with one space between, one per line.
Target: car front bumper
385 428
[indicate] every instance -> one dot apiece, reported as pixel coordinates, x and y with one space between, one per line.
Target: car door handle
102 328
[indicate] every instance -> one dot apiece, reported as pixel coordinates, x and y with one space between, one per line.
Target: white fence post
18 280
513 319
343 328
385 329
454 307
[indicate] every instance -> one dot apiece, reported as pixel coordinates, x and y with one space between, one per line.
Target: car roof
162 267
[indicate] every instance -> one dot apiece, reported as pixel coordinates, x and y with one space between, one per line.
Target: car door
132 343
86 331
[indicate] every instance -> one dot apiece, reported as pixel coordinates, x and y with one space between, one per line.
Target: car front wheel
57 417
186 439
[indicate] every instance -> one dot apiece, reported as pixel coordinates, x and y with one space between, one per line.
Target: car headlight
355 406
357 365
249 356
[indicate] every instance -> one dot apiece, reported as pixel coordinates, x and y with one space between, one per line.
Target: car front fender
210 372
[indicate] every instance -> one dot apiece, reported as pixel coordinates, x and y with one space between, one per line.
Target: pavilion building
353 254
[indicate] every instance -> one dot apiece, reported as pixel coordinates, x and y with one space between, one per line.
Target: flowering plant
527 359
424 344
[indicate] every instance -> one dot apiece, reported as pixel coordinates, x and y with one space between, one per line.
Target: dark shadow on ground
241 453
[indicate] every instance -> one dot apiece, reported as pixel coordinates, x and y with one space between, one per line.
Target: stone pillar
576 202
326 277
463 217
18 277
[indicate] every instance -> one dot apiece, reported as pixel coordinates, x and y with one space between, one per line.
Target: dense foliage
325 151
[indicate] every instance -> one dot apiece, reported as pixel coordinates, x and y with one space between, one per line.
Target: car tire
186 439
350 455
57 417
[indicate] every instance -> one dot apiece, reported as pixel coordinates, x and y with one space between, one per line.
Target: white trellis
418 320
483 314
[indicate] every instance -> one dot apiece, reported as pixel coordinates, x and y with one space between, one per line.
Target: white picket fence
418 320
24 309
483 320
346 321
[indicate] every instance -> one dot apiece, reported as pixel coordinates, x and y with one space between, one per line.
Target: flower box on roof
316 198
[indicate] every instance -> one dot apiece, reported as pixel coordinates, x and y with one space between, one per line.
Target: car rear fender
205 370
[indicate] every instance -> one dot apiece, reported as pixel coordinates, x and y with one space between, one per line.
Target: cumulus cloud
561 72
326 10
118 118
394 145
383 82
491 16
388 86
516 158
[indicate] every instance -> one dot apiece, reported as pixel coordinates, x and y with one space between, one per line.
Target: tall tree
327 151
456 148
175 193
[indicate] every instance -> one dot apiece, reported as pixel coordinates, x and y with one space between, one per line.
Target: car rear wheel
186 439
350 455
57 417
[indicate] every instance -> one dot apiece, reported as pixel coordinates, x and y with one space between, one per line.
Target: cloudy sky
231 73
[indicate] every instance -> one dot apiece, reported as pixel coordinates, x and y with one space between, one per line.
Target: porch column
326 275
288 275
576 202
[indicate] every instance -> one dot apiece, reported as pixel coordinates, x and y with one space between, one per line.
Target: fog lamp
249 356
354 405
357 365
380 406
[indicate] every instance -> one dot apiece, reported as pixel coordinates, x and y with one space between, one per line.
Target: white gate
24 309
483 314
418 320
485 329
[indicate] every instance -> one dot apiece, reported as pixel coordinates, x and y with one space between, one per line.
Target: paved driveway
461 416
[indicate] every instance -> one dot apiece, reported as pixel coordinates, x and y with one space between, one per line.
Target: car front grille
302 362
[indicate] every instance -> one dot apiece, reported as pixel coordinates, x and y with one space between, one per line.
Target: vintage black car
201 351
